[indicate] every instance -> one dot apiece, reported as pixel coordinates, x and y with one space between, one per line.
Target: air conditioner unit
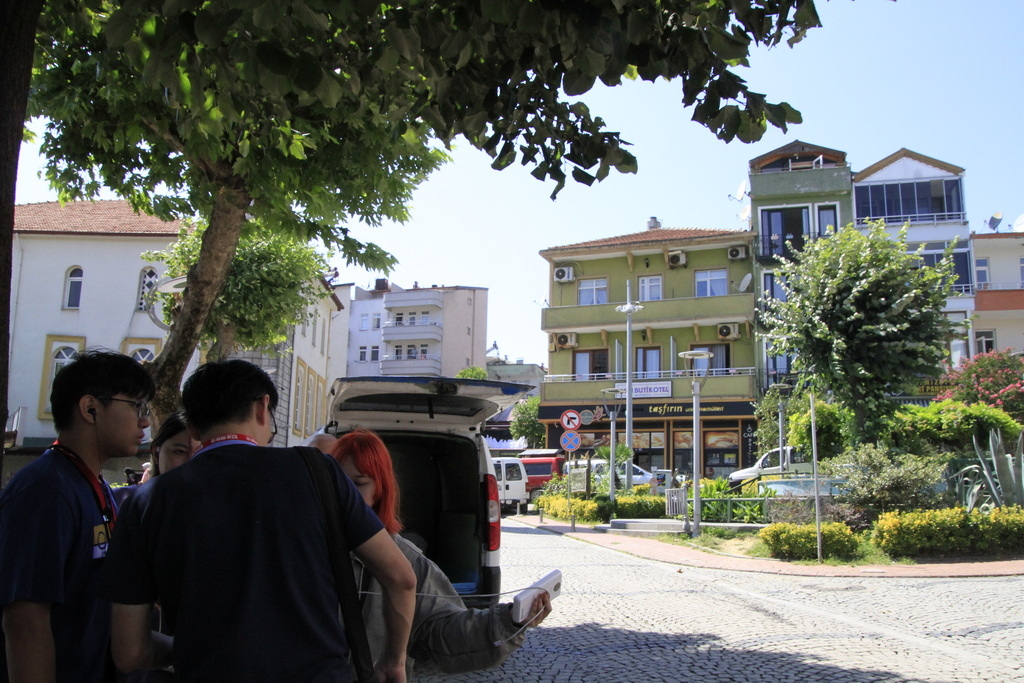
736 253
676 259
566 340
564 274
729 331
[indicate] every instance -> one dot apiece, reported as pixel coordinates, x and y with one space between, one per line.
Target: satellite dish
995 220
745 213
1018 224
171 285
745 282
741 191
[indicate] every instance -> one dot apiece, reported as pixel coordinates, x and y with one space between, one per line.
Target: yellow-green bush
639 506
559 508
952 531
800 541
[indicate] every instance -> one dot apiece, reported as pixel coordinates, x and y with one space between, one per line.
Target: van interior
442 505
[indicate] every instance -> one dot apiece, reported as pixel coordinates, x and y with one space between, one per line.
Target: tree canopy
273 280
525 423
864 318
308 114
472 372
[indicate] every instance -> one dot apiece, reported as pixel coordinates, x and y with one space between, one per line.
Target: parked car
793 462
432 427
600 470
539 471
510 475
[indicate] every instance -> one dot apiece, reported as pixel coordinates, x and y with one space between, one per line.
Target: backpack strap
344 578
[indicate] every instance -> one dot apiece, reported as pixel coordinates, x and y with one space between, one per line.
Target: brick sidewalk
692 557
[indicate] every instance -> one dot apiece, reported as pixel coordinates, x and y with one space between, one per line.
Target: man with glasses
233 546
56 517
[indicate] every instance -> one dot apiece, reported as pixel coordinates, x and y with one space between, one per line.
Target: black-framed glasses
273 420
141 407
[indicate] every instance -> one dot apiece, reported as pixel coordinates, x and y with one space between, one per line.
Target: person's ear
261 406
87 408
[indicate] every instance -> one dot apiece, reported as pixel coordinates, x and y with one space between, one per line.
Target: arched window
61 357
147 281
73 287
143 355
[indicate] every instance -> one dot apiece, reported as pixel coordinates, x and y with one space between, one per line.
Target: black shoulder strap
344 578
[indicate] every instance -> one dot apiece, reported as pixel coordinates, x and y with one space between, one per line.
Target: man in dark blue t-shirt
233 546
56 516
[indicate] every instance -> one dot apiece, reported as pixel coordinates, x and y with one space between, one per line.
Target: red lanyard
225 440
105 504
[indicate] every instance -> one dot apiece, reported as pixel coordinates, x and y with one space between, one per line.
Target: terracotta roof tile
647 236
109 217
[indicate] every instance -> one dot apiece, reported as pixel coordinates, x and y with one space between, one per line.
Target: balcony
834 180
667 312
721 383
393 331
414 298
427 364
999 296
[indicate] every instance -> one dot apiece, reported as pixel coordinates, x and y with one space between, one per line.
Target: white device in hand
552 583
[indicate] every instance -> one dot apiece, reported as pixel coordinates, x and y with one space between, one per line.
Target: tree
995 379
878 481
863 317
272 281
525 424
307 117
472 372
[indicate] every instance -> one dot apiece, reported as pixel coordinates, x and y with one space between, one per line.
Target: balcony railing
410 323
648 375
895 221
999 285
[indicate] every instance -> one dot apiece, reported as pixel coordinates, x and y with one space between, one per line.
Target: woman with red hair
444 631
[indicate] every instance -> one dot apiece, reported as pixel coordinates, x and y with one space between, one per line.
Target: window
425 318
712 282
590 364
934 251
316 319
423 351
59 352
362 354
1020 285
593 292
827 217
925 200
412 318
73 288
374 353
399 319
648 362
398 352
779 226
300 382
147 283
981 272
985 341
958 344
376 321
410 352
772 287
143 356
364 321
718 363
650 288
310 390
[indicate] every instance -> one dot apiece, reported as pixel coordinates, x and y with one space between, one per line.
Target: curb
690 556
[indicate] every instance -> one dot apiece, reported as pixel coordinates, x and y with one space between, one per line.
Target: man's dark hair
222 392
96 372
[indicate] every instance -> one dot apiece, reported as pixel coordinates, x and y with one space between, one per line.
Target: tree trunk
18 21
206 279
224 345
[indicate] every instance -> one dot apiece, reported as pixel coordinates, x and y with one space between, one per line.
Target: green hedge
800 541
952 531
587 511
640 506
600 508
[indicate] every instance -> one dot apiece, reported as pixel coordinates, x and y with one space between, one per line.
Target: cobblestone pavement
626 618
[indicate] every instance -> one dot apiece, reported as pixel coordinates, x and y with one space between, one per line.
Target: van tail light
493 513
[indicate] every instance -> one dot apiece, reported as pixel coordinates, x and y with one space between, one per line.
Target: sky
940 77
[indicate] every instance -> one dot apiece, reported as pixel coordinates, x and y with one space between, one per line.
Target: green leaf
273 58
576 83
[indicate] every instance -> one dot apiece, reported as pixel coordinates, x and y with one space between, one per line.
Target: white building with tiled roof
79 280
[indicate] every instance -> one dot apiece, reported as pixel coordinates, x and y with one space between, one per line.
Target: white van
793 462
432 427
510 474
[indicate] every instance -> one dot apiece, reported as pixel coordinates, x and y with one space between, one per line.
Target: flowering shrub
952 531
993 378
800 541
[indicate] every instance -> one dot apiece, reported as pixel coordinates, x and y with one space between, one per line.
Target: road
623 618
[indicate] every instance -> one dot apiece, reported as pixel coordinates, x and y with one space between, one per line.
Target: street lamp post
629 308
613 416
783 391
698 438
